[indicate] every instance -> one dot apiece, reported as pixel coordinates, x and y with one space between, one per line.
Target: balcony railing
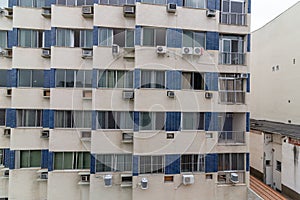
231 137
232 58
225 177
232 97
233 18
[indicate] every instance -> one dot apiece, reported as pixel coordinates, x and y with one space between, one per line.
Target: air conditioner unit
87 53
210 13
46 93
87 10
87 94
128 94
161 49
171 7
86 135
127 137
208 95
45 134
129 10
46 53
8 92
171 94
170 135
198 51
234 178
115 49
44 175
46 12
243 76
144 183
6 173
187 50
9 12
126 180
7 132
108 180
7 53
188 179
85 178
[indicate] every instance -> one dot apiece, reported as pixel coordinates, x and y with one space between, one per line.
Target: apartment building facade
124 99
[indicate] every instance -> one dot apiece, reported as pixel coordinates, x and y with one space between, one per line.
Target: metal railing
225 177
231 137
233 18
232 58
232 97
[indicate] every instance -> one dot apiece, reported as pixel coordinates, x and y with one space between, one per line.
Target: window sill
29 127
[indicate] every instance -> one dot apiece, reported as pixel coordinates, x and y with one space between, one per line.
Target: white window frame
29 158
126 78
154 36
197 4
34 34
154 79
31 78
194 32
114 163
153 116
3 32
124 118
152 164
75 160
67 32
83 38
195 121
21 117
231 162
200 163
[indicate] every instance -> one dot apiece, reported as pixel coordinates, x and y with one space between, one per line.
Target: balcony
226 177
231 137
232 97
233 18
232 58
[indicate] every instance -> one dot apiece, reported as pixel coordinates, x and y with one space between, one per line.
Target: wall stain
296 155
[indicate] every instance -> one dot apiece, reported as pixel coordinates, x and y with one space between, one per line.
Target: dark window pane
160 37
119 37
37 78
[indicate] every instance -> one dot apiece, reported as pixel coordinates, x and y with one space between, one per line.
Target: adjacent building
124 99
274 137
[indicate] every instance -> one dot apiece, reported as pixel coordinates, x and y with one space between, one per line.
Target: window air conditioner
198 51
129 10
161 49
108 180
9 12
127 137
8 92
87 10
208 95
46 53
171 7
243 75
7 53
46 12
171 94
45 134
144 183
85 135
44 175
234 177
115 49
210 13
87 94
46 93
85 178
187 50
187 179
87 53
6 173
7 132
128 94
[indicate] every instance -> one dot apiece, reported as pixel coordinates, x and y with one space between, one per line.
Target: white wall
256 146
275 44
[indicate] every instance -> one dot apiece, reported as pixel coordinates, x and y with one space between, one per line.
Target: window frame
200 163
31 79
154 167
70 116
197 6
153 79
228 165
278 165
109 40
75 165
117 116
34 3
115 163
197 118
74 84
192 87
127 78
154 2
21 117
29 163
153 121
155 43
75 3
3 117
193 39
5 34
35 35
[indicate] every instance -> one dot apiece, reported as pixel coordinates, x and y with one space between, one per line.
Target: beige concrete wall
5 100
256 145
270 90
4 140
69 17
28 98
30 18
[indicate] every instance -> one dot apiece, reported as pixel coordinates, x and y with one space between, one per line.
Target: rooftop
290 130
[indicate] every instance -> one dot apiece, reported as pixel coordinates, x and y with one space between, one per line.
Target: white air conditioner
210 13
85 135
44 175
161 49
127 137
45 134
171 7
188 179
128 94
115 49
7 132
87 53
108 180
242 75
208 95
144 183
87 10
198 51
171 94
187 50
85 178
46 53
234 178
46 12
129 10
9 12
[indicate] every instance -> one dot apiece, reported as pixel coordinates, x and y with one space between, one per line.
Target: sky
263 11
